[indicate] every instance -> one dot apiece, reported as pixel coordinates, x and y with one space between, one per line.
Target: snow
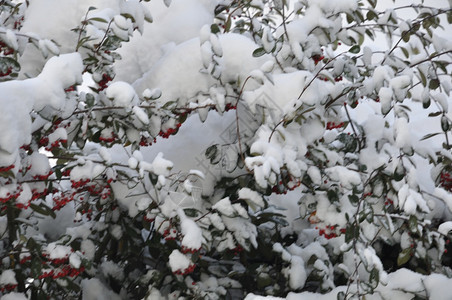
39 164
251 197
297 273
88 170
121 94
179 261
161 166
18 98
75 260
94 289
345 176
8 277
224 207
193 238
445 227
402 284
237 62
14 296
109 268
88 248
56 251
177 58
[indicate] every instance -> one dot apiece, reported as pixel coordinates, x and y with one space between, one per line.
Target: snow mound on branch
8 277
122 94
402 284
19 98
14 296
179 261
193 238
237 62
94 289
143 51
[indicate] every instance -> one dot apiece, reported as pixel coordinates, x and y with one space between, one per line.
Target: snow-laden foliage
222 149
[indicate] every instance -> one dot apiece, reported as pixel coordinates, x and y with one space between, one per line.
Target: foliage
372 196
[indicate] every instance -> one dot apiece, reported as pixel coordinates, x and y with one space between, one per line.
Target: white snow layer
19 98
402 284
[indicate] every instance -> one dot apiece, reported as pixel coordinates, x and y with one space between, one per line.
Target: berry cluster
445 181
144 142
169 234
98 190
237 250
188 270
186 250
61 200
110 139
284 187
330 232
5 49
8 287
18 23
44 141
37 195
317 58
7 168
12 195
103 83
147 219
43 177
389 202
169 131
332 125
62 272
229 106
322 78
70 89
80 183
8 71
56 144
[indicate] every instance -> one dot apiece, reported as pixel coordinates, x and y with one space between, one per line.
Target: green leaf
332 196
8 62
7 174
351 232
191 212
97 19
404 256
43 210
355 49
412 224
405 52
445 125
374 277
371 15
434 84
423 78
227 25
434 114
426 102
399 172
258 52
406 36
430 135
214 28
211 152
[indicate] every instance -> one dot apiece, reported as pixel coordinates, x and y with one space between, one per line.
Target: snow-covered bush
211 149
